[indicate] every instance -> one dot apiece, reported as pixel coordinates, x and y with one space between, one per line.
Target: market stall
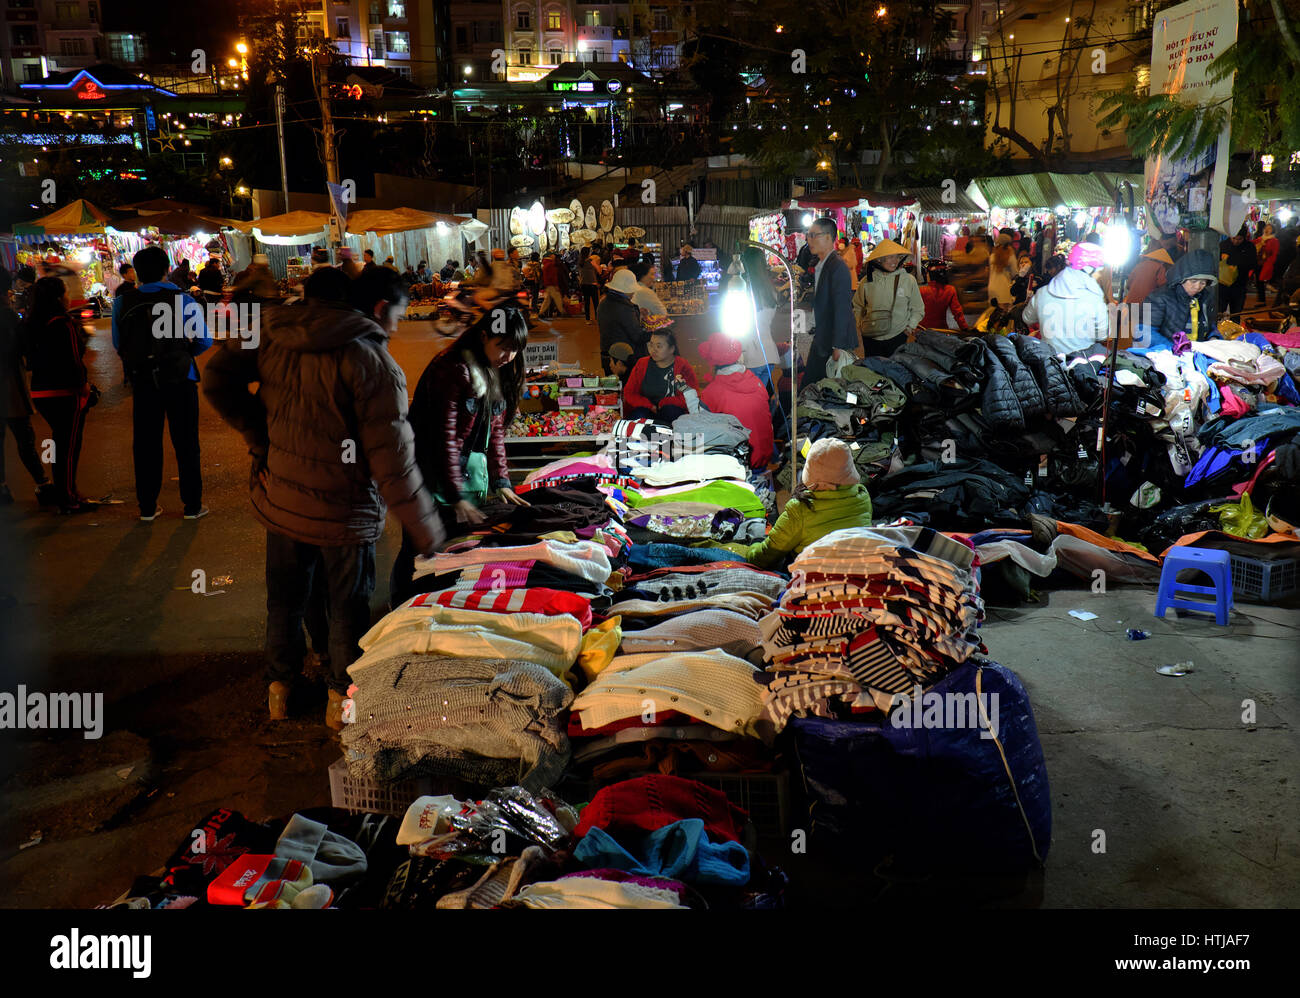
287 237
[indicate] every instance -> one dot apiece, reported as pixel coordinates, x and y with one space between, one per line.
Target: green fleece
728 495
798 525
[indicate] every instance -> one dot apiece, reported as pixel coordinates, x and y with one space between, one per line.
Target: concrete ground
1198 807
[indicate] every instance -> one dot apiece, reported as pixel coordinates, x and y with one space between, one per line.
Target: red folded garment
640 806
551 602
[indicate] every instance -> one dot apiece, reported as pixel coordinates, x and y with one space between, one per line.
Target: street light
745 319
241 48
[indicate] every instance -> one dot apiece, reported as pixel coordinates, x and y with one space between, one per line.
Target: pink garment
1263 370
1233 406
1289 340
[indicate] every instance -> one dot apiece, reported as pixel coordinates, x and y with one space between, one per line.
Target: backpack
147 358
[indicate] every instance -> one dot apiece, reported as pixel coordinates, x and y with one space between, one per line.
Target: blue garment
645 557
189 307
1213 401
679 851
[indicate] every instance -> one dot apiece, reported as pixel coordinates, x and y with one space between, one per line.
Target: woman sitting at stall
831 497
655 386
464 401
735 390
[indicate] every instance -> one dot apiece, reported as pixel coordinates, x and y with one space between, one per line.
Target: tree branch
1284 30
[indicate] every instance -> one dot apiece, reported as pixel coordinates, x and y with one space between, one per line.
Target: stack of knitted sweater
870 614
471 678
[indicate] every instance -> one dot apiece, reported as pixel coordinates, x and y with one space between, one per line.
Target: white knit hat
830 466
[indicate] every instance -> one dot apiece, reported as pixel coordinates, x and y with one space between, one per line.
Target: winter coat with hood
738 391
1070 312
809 519
326 381
1171 306
1049 372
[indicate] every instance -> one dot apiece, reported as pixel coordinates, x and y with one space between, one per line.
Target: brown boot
277 701
334 711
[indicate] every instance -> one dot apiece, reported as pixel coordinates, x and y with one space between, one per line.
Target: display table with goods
612 641
513 686
562 409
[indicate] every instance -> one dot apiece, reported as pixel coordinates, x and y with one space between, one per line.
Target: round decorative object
521 240
606 216
618 233
564 241
516 222
633 232
536 218
575 206
591 216
552 235
559 216
541 242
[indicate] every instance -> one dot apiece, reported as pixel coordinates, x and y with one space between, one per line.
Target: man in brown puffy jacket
331 446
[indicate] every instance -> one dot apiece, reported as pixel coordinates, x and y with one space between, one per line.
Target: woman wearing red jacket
940 299
60 388
736 390
654 388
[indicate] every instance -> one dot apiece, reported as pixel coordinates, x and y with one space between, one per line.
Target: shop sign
614 86
542 353
580 86
88 89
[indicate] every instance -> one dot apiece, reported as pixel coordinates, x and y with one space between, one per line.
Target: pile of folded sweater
870 614
471 678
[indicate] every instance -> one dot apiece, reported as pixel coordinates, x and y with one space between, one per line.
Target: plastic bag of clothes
1242 519
969 796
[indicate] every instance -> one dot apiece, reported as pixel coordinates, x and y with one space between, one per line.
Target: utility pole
279 135
327 118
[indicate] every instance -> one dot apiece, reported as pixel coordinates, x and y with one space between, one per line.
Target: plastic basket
362 796
1264 581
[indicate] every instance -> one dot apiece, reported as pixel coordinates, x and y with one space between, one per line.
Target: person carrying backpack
158 330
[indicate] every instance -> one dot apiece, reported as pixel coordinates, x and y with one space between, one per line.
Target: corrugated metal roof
1080 190
1031 190
932 200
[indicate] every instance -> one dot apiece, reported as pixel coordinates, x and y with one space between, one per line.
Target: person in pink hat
736 390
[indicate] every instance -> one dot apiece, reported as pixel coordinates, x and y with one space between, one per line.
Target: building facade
47 36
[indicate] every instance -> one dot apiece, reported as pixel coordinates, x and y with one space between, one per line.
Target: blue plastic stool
1216 564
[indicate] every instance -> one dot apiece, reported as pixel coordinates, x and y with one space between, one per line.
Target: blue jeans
348 576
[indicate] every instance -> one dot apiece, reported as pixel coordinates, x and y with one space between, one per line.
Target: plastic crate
1264 581
766 796
362 796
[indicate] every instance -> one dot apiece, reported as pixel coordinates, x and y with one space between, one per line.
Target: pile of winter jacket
966 433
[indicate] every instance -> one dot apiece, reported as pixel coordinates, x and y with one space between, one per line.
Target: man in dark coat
1185 303
688 268
835 329
332 451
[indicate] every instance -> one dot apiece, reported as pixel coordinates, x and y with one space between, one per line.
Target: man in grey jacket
331 446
